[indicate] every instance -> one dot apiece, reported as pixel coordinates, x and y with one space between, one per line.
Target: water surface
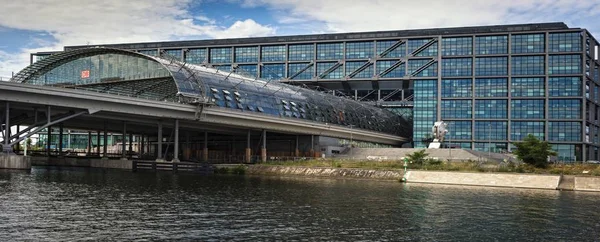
92 204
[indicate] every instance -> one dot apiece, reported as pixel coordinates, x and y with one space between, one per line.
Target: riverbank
486 179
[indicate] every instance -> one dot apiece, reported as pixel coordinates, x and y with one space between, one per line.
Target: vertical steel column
159 143
123 143
60 139
188 146
18 130
49 141
89 146
142 145
98 143
7 127
263 152
105 146
130 143
312 145
205 149
297 153
248 149
176 142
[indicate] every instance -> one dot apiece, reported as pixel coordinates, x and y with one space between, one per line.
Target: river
49 204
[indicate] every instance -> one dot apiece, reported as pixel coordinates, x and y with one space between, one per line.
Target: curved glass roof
163 78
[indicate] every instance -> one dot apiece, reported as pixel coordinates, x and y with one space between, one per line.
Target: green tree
533 151
418 157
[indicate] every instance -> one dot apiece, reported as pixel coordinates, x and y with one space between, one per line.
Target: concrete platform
550 182
589 184
15 162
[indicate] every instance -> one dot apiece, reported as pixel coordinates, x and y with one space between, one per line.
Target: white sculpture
439 131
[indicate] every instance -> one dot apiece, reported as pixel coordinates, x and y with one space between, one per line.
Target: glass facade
457 88
457 46
527 82
460 130
492 45
491 66
424 111
521 129
491 109
457 67
491 130
491 87
527 109
564 131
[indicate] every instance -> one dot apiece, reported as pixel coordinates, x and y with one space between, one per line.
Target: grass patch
237 170
438 165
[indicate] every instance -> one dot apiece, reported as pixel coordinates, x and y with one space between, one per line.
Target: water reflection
51 204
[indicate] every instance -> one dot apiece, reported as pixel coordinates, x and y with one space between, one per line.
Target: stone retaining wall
16 162
325 172
550 182
590 184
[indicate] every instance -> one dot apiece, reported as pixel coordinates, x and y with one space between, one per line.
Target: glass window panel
176 54
528 43
565 42
359 50
301 52
456 88
424 111
491 109
392 50
352 66
564 64
519 130
564 131
272 71
195 56
491 130
246 54
300 71
325 71
486 45
414 65
330 51
527 109
398 71
497 87
456 109
528 65
220 55
528 87
564 86
273 53
491 66
564 109
247 70
457 67
457 46
459 130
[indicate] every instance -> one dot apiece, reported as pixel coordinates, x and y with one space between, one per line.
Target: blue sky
43 25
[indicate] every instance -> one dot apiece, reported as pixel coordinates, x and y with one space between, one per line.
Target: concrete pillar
205 149
6 147
98 143
18 130
159 143
142 145
297 151
248 149
49 141
312 145
60 139
105 146
124 143
263 150
176 142
89 145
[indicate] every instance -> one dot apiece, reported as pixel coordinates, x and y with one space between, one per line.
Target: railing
204 168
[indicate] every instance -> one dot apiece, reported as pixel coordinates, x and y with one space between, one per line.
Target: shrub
418 157
533 151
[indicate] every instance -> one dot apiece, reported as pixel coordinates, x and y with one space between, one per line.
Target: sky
28 26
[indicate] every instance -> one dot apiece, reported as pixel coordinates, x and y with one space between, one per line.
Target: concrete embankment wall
590 184
325 172
16 162
485 179
82 162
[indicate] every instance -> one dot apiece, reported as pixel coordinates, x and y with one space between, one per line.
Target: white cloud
347 16
76 22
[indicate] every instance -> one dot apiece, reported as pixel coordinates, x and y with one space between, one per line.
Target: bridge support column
123 142
60 139
6 148
205 149
297 151
176 142
248 149
130 144
263 151
105 146
49 141
89 145
142 144
312 146
159 157
98 143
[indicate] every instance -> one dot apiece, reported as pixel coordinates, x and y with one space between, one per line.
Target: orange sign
85 74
